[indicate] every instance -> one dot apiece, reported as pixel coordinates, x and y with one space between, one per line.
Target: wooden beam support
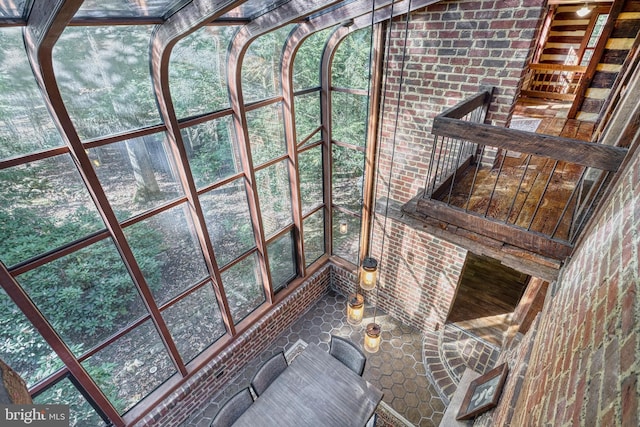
511 256
589 154
528 240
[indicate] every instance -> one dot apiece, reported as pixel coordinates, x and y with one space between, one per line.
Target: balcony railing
553 81
526 189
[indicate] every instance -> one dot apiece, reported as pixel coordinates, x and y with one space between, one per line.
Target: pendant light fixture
373 332
355 309
368 273
372 338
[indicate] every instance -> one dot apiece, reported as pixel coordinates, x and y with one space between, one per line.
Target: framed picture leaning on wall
483 393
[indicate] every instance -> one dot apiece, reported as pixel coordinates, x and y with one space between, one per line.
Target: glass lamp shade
372 338
355 309
343 228
368 274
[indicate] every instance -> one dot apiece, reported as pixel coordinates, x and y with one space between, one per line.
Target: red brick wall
453 48
585 360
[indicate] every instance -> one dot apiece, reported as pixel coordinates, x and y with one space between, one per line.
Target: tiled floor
398 369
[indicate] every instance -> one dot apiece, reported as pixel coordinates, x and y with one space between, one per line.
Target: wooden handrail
604 157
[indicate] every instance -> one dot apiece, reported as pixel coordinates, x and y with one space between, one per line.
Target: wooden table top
315 390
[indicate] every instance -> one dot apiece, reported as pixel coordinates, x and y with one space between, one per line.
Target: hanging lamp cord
395 131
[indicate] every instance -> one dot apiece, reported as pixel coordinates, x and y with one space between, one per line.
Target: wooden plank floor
529 191
488 292
513 189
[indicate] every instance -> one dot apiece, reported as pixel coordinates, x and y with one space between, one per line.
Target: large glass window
310 171
212 151
313 227
83 267
43 205
243 286
25 124
168 252
306 66
226 211
198 71
274 192
349 106
131 367
104 80
281 261
137 174
87 295
195 322
261 70
266 133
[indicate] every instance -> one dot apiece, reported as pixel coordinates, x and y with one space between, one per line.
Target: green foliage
306 66
350 68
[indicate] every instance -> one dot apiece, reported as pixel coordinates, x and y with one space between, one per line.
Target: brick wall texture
584 365
453 49
578 364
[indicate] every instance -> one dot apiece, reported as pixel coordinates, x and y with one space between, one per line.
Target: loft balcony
520 193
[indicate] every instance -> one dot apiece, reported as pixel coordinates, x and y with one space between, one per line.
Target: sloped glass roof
253 8
12 8
128 8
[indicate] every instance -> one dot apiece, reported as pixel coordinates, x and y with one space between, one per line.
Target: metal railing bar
433 154
455 170
546 186
524 174
566 205
475 176
495 184
573 233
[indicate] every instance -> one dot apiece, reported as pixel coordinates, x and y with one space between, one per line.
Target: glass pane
347 176
349 118
243 287
350 67
307 108
87 295
261 66
281 261
253 8
195 322
104 80
226 213
346 243
198 71
43 205
25 123
306 65
12 9
313 237
126 8
21 346
212 150
81 413
168 252
311 184
597 30
131 367
137 175
274 192
266 133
